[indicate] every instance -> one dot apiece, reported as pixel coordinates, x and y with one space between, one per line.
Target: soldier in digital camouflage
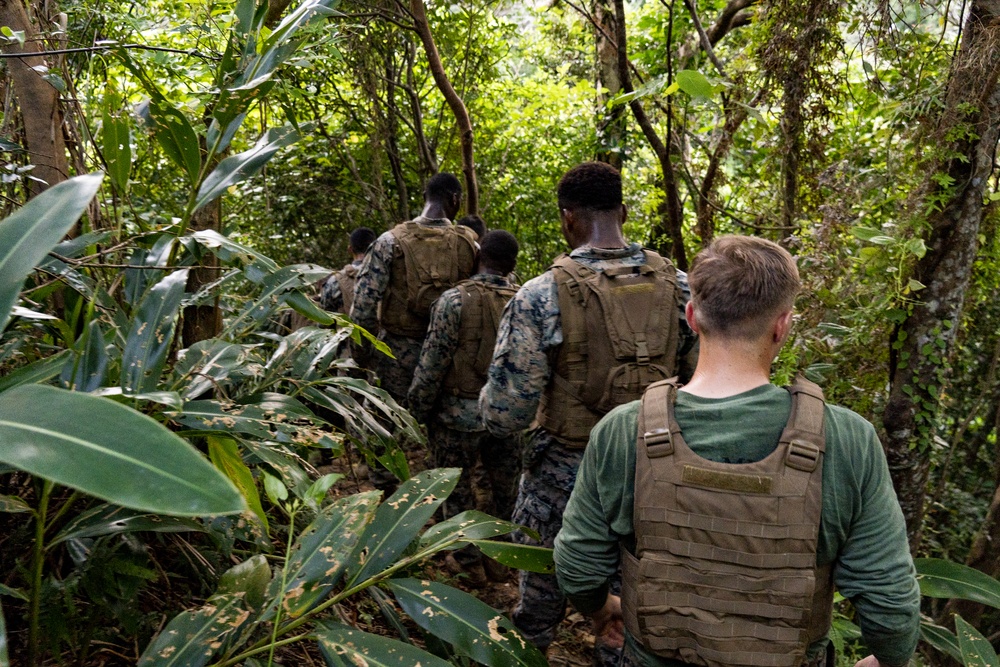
588 334
452 370
405 271
338 290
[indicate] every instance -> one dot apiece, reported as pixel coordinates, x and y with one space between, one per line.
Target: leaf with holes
472 627
519 556
976 649
344 646
151 334
193 637
113 520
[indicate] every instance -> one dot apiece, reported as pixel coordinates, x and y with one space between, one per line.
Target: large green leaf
469 525
193 637
13 505
111 520
274 285
86 370
226 456
305 354
28 234
321 553
976 649
205 365
269 416
109 451
115 139
42 370
943 579
177 138
519 556
940 638
152 333
237 168
229 250
472 627
250 577
398 521
344 646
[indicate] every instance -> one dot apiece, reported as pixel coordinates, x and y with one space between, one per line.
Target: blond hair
739 283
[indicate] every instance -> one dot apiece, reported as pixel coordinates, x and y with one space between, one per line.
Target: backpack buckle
659 442
802 456
642 352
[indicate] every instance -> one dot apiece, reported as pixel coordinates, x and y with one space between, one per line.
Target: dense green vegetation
241 142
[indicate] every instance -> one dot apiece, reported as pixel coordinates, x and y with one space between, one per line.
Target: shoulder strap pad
657 427
805 432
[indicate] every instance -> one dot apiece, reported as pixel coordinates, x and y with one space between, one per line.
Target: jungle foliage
159 433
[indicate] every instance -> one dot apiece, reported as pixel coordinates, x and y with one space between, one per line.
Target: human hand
870 661
609 625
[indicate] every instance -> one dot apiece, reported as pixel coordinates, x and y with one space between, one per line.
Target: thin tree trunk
204 321
455 102
38 100
611 127
927 335
670 210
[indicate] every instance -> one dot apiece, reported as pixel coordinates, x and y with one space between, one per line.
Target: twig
109 47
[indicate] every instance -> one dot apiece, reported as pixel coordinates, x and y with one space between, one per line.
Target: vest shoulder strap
658 430
805 430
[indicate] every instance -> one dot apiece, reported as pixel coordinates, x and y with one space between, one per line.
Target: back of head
361 239
739 283
475 223
442 188
498 251
591 186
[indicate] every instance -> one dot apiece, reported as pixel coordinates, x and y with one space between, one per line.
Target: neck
729 367
435 211
605 234
485 270
359 256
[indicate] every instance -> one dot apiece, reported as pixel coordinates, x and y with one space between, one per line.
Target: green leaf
321 553
177 138
881 240
915 285
316 493
943 579
193 637
520 556
473 628
274 488
469 525
226 457
116 147
250 577
398 521
306 354
237 168
268 416
86 371
285 279
306 307
695 84
112 520
865 233
28 234
152 333
942 639
14 593
345 646
205 365
36 372
65 437
228 250
13 505
976 649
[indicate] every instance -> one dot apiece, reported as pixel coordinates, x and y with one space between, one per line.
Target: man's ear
782 326
690 316
624 213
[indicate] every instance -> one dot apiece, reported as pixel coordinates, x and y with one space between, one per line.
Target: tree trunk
204 321
423 29
926 336
670 210
39 103
611 122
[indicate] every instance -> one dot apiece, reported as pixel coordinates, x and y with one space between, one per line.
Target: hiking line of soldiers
707 523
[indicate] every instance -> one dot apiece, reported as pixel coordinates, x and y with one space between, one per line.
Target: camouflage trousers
546 483
395 376
496 462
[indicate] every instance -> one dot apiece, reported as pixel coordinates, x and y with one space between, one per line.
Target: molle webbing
725 568
346 278
482 305
620 334
428 259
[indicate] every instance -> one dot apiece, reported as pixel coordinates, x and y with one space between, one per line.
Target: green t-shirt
861 530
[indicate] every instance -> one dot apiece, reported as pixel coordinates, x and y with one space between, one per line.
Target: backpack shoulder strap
805 432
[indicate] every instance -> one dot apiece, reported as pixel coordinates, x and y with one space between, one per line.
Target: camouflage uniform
530 334
331 296
456 435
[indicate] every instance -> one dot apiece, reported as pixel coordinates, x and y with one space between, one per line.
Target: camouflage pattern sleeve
687 345
436 355
330 297
520 369
370 287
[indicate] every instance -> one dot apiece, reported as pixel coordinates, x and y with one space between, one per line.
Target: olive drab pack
725 568
620 335
482 305
346 278
428 260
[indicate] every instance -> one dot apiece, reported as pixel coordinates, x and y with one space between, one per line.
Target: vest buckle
641 352
802 456
658 443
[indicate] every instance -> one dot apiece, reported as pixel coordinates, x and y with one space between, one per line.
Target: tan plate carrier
482 305
346 278
725 569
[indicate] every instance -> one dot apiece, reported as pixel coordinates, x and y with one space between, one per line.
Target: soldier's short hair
739 283
475 223
498 250
596 186
361 239
441 187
